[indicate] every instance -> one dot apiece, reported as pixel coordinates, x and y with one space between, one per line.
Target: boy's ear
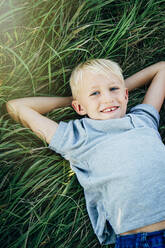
78 107
126 94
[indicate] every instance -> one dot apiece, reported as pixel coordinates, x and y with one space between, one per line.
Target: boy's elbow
12 109
10 105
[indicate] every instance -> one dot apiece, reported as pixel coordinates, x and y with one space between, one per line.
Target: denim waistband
142 240
142 235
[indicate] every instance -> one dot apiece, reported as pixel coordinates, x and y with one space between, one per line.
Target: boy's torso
119 181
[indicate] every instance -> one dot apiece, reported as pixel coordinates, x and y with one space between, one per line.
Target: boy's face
101 96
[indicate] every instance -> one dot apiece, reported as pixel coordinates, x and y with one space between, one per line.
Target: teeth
109 109
113 109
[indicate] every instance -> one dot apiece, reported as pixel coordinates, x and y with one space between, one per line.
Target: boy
118 158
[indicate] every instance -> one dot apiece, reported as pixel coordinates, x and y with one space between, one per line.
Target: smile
107 110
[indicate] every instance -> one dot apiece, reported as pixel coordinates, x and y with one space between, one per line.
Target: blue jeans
142 240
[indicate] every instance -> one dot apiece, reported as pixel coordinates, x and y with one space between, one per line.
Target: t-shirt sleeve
147 114
68 139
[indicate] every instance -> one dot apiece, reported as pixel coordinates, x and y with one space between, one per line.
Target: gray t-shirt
121 165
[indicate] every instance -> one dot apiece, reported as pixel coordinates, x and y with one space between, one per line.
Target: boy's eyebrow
97 86
94 87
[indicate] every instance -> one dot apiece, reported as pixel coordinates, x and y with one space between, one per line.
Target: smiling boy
102 96
117 157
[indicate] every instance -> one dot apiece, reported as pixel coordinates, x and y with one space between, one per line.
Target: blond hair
94 65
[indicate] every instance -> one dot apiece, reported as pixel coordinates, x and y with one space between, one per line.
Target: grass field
41 203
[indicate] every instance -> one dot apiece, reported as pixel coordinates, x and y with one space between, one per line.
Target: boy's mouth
109 109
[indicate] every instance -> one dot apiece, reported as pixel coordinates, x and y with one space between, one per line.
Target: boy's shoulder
147 114
144 109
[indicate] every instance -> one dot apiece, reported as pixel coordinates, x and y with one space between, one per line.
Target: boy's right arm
29 112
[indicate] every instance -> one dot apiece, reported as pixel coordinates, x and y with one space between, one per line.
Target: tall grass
42 204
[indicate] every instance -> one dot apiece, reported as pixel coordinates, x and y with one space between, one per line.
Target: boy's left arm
156 75
155 94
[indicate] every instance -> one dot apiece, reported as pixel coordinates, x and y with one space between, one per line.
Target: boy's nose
107 98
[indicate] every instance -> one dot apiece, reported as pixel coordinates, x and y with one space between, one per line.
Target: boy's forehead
92 78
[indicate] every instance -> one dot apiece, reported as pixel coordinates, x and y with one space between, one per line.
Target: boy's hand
29 112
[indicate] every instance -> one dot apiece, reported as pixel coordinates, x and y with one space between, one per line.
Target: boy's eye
114 88
95 93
